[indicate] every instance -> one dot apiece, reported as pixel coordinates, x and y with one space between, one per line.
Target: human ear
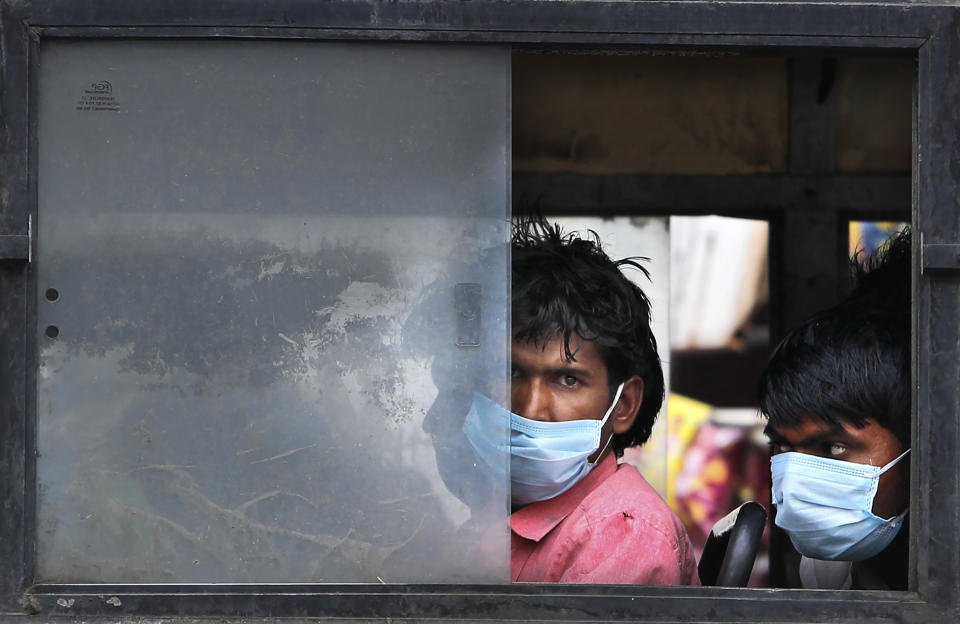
630 400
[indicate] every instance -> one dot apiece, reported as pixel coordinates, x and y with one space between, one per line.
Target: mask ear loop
604 450
892 463
603 421
903 514
616 398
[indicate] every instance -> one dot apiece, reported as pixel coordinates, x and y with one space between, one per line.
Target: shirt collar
535 520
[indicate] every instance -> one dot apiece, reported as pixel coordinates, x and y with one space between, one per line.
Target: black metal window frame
930 31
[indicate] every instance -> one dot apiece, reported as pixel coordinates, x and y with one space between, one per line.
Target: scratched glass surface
248 256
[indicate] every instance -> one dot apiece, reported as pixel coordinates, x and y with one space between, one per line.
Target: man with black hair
837 395
586 383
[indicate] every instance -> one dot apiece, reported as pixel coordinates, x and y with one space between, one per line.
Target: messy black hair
852 362
565 285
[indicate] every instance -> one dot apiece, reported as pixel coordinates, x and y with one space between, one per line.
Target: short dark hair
565 285
851 362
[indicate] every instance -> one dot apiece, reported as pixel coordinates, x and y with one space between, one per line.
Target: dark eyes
830 449
567 381
836 449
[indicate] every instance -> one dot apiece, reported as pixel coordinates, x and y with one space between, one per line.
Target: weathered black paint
941 257
748 196
504 603
14 247
930 30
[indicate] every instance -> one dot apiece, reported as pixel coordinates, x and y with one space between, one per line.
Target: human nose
531 400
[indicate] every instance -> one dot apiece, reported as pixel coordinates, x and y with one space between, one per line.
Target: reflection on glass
254 248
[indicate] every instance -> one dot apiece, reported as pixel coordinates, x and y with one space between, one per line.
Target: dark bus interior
811 145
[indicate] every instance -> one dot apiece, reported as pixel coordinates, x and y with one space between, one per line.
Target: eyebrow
830 434
562 370
572 370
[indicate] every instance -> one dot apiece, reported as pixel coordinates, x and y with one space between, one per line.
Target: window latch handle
17 247
467 298
940 257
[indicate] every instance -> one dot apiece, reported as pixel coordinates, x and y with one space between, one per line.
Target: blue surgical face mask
546 458
825 506
549 458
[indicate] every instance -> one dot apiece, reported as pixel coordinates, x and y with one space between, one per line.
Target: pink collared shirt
611 527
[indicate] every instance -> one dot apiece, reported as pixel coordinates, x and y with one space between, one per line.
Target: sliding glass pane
271 275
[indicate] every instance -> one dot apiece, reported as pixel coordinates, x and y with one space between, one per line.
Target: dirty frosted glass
271 275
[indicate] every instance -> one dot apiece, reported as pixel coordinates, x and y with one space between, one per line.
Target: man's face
545 386
871 444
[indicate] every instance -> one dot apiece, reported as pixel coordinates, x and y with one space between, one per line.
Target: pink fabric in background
723 468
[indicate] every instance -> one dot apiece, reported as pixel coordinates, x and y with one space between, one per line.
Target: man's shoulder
626 533
627 487
626 494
